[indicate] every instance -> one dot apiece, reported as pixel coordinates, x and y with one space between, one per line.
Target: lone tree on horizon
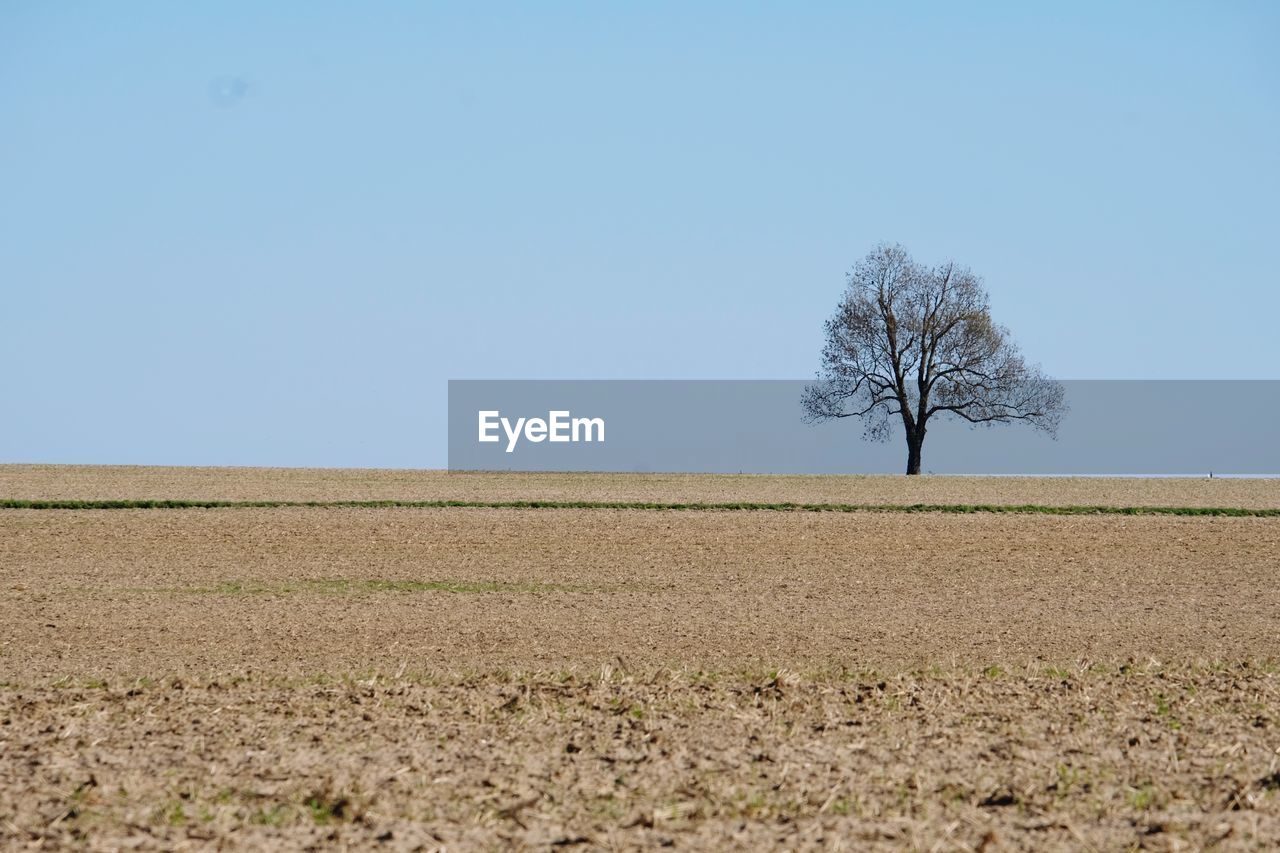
912 342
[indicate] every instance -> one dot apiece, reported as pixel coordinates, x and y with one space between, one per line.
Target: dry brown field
475 678
106 482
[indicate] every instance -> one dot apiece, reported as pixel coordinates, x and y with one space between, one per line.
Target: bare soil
85 482
150 592
483 678
1159 759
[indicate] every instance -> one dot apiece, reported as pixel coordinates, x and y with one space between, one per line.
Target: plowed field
483 677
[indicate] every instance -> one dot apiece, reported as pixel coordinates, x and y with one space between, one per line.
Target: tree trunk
915 441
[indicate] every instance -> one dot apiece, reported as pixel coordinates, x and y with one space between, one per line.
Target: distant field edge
734 506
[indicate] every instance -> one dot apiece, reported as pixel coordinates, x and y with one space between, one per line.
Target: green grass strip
1014 509
341 586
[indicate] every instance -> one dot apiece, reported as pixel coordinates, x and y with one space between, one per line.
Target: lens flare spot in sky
226 91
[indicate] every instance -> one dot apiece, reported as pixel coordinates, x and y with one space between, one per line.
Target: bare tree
909 343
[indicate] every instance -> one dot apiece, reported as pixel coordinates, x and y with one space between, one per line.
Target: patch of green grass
1143 798
753 804
606 807
344 586
1165 711
325 809
993 671
737 506
273 816
1070 778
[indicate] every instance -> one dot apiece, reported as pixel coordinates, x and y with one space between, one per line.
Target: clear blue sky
251 233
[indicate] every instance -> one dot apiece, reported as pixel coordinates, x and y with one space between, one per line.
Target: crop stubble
479 677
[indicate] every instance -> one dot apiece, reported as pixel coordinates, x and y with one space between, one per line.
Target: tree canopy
908 343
